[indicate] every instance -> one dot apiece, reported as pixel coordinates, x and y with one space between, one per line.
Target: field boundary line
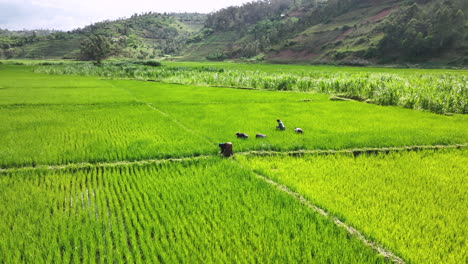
177 122
354 151
85 165
260 153
172 118
349 229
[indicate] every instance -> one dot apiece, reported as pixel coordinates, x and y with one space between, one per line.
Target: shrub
151 63
218 56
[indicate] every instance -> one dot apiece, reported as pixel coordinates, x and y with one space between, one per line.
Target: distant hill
142 36
353 32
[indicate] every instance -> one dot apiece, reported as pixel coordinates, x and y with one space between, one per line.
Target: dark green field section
209 212
414 203
57 119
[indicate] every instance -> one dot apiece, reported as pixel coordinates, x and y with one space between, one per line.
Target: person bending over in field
226 149
280 125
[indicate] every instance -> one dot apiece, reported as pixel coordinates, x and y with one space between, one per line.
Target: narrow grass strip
356 152
85 165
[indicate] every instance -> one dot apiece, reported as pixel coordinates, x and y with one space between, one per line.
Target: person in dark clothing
242 135
280 125
226 149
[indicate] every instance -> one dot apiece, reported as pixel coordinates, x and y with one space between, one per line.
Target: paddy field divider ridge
295 153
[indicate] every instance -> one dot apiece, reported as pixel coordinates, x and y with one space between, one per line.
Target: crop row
414 203
206 212
437 92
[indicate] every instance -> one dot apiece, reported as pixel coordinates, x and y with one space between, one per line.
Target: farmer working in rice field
226 149
280 125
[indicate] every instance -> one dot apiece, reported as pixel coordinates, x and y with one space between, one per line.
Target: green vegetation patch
20 86
414 203
209 212
62 134
436 91
174 94
51 49
66 119
326 124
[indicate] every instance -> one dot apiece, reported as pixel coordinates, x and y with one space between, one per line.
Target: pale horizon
73 14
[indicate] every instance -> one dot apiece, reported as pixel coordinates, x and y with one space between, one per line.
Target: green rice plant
207 212
414 203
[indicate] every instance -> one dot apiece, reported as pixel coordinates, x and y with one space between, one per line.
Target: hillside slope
353 32
343 31
141 36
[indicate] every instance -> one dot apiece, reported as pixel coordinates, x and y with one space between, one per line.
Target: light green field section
414 203
208 212
19 86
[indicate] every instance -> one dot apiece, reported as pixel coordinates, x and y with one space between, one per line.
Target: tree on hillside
96 47
415 32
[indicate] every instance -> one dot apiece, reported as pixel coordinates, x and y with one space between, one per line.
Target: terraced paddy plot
207 212
326 124
63 119
62 134
414 203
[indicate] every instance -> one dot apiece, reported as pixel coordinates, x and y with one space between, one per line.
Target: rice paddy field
117 164
400 199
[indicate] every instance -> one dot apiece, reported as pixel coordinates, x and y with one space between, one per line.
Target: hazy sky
70 14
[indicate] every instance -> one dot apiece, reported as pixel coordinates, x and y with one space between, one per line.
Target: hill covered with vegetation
353 32
347 31
142 36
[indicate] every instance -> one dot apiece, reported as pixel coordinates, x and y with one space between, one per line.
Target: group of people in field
226 148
